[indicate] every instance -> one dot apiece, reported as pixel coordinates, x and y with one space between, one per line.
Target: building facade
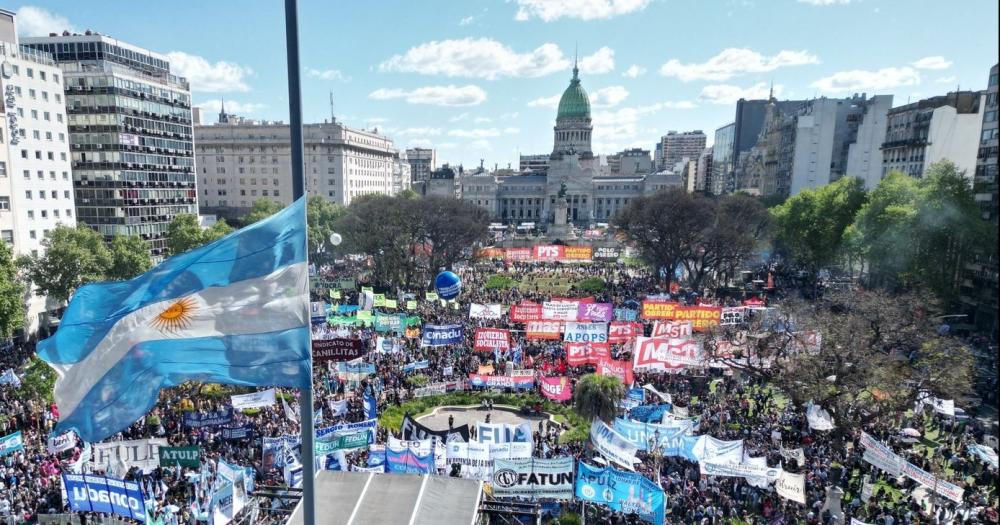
36 186
680 148
130 131
704 170
864 154
246 161
422 162
635 161
934 129
534 163
722 178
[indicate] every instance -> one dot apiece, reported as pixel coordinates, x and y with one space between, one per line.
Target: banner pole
307 452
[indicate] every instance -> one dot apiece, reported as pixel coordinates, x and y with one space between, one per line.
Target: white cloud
608 97
35 21
825 2
634 71
419 143
735 61
511 131
477 58
447 145
482 120
467 20
947 80
220 77
481 144
458 118
509 116
858 79
210 107
616 130
376 120
481 133
934 62
545 102
549 10
680 104
603 61
421 131
729 94
327 74
449 95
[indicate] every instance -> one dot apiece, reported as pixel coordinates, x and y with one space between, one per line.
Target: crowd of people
727 406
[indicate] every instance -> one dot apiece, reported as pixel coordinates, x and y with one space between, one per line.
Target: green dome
574 102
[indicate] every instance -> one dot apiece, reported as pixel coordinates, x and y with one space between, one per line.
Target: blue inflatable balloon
448 285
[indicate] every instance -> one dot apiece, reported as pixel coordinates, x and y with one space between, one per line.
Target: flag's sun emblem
175 317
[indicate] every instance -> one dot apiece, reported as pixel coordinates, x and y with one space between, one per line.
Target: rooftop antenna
333 118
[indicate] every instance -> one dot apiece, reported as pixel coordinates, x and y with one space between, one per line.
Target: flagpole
298 191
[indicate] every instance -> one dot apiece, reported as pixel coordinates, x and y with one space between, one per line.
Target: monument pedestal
559 229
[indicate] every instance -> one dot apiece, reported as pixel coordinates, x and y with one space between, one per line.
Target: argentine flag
235 311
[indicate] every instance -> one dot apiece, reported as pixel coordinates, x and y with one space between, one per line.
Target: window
31 93
276 193
27 194
32 234
3 169
55 213
24 153
69 213
35 134
65 194
41 194
4 203
34 114
45 214
41 174
7 236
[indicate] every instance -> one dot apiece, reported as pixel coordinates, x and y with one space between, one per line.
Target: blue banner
208 419
240 432
649 413
10 378
347 308
376 457
625 492
11 444
355 368
441 335
408 462
348 428
88 493
626 314
419 365
670 438
371 406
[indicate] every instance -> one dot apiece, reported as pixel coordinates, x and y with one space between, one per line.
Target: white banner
673 329
941 406
338 407
667 398
818 418
738 470
142 453
262 399
613 445
948 490
586 333
559 310
64 441
485 311
504 433
881 456
732 316
796 454
476 459
791 486
534 477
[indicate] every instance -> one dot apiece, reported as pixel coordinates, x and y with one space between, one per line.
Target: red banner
489 253
662 353
525 311
620 369
543 330
517 254
556 388
578 253
548 252
623 331
578 354
674 329
491 339
701 317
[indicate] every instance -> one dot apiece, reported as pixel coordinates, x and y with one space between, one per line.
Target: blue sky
478 79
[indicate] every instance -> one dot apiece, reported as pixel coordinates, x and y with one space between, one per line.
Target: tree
322 216
129 257
740 223
810 225
11 294
262 209
384 228
72 256
450 226
597 397
185 233
667 226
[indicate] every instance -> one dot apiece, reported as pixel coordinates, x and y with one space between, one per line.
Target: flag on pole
289 413
234 311
371 407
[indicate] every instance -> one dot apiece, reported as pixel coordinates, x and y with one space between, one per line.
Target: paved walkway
438 420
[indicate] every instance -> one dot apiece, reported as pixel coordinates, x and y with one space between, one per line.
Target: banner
338 349
491 340
608 253
442 335
485 381
669 439
548 252
942 487
560 310
517 254
347 369
701 317
626 314
485 311
343 442
183 456
412 430
556 388
595 312
649 413
407 462
796 454
60 443
613 445
11 443
791 486
620 369
253 400
881 456
542 329
578 354
585 332
413 367
534 478
673 329
503 433
818 418
208 419
577 254
348 428
625 492
235 433
142 453
525 311
106 495
10 378
732 469
623 331
477 459
434 389
661 353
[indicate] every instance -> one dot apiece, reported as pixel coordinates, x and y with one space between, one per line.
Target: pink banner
556 388
578 354
600 312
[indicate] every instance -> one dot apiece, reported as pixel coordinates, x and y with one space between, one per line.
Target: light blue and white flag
234 311
10 378
11 444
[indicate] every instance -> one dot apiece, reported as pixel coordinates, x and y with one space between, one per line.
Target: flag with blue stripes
235 311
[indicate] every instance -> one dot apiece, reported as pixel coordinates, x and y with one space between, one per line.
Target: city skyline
481 81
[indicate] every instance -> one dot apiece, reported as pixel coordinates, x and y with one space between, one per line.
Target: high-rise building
635 161
704 172
934 129
36 188
864 154
241 161
681 148
741 138
422 162
534 163
722 178
130 135
985 180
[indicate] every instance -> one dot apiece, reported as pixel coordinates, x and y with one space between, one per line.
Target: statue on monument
562 190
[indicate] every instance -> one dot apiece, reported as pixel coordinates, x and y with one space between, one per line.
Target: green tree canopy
129 257
11 294
185 233
72 256
262 209
597 397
